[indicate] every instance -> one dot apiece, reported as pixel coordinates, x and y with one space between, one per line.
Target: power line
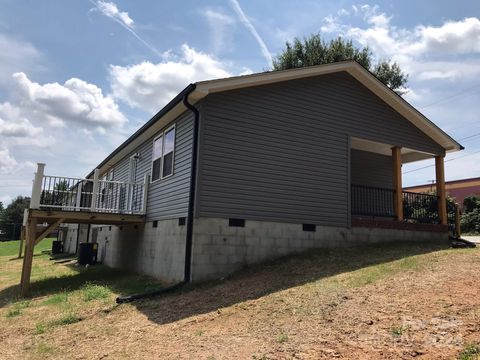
428 166
452 96
468 137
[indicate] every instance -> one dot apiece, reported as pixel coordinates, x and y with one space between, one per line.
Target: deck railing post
146 181
96 174
37 187
78 199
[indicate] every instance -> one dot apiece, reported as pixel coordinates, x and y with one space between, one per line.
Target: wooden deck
85 217
56 217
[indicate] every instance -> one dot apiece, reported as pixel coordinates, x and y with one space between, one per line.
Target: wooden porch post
397 182
440 185
30 235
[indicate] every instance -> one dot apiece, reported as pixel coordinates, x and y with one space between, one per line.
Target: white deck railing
95 195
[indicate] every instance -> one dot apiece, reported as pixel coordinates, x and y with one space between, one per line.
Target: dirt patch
381 304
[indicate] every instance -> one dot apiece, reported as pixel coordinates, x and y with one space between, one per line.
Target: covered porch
58 199
377 198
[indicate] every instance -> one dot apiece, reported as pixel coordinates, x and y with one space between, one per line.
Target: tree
11 217
470 221
314 51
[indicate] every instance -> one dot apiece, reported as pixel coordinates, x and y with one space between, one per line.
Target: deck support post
37 187
30 235
397 183
22 232
440 186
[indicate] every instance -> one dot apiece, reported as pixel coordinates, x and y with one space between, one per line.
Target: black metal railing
452 220
379 202
372 201
420 207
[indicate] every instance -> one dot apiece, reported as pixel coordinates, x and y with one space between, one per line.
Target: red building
458 189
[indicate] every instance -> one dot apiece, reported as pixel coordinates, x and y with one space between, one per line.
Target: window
163 154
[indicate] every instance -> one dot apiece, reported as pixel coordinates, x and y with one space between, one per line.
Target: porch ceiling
408 155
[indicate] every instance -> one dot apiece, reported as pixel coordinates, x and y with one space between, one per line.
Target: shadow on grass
257 281
251 283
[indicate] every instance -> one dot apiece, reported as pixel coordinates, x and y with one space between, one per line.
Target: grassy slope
10 248
271 301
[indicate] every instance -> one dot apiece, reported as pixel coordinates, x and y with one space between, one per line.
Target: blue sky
78 77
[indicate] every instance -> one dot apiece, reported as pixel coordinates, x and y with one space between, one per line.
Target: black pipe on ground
130 298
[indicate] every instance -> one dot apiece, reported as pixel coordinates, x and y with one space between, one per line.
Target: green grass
16 309
398 331
10 248
43 349
56 299
93 291
470 352
281 338
13 312
67 319
39 329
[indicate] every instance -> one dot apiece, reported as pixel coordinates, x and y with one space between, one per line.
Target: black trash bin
57 247
87 253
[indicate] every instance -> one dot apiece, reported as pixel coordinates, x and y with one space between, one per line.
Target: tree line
11 218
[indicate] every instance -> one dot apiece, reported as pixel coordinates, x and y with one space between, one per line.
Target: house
457 189
239 170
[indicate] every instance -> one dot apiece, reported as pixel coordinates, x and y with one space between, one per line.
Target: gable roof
200 90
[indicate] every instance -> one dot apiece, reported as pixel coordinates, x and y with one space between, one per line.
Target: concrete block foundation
219 249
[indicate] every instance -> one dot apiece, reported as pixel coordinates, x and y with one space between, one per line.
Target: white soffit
408 155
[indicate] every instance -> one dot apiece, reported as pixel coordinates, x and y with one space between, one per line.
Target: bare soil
377 303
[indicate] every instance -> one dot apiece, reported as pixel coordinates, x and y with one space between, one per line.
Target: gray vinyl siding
280 152
371 169
167 198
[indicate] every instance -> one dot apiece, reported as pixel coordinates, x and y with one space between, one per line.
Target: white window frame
162 135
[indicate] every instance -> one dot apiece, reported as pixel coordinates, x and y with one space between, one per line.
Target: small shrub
39 329
470 352
398 331
92 291
281 338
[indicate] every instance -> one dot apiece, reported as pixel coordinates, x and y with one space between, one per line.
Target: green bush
470 221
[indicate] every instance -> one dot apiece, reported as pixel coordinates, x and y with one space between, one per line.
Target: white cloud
17 55
150 86
248 24
385 39
76 101
454 37
12 124
220 29
418 50
111 10
22 128
437 74
7 162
